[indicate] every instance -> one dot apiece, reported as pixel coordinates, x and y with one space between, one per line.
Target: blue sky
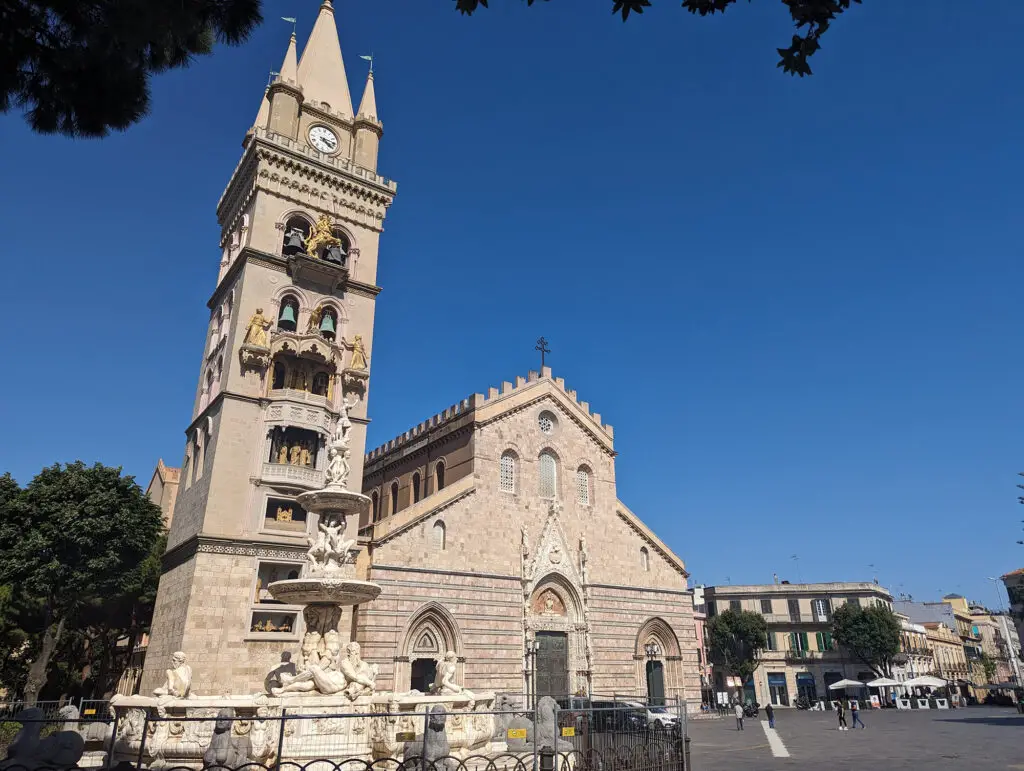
798 301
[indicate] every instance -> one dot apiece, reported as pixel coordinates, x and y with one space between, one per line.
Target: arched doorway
556 661
430 633
657 651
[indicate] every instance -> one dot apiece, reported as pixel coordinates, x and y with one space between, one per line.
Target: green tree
735 641
812 18
77 542
82 68
871 635
988 666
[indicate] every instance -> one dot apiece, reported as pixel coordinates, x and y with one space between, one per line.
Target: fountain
332 707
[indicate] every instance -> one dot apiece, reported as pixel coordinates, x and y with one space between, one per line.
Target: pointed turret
368 104
322 69
289 67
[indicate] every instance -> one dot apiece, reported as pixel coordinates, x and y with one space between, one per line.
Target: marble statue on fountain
350 676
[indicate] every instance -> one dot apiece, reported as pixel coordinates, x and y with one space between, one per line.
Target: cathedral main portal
552 664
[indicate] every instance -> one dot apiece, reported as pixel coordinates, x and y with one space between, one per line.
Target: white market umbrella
883 682
847 684
925 681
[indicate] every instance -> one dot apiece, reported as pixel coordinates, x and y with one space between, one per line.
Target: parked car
657 717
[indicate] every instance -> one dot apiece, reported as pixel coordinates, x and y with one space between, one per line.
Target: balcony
792 655
791 618
292 476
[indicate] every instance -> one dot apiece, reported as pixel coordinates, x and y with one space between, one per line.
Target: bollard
547 759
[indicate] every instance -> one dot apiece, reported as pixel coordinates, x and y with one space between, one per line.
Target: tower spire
321 70
368 104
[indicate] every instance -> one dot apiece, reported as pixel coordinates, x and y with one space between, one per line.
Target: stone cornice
280 264
619 587
638 527
234 546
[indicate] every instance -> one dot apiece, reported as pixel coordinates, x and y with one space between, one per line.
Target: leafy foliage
82 68
871 634
988 666
735 641
812 19
81 563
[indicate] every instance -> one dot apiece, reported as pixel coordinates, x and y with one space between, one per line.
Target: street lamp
653 650
532 646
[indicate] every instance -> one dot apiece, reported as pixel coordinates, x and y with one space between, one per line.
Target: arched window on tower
439 475
507 472
296 231
375 500
583 486
645 559
394 497
548 475
337 253
440 536
218 375
278 379
288 317
416 487
217 330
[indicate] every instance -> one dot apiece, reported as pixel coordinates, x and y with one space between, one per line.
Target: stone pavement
939 740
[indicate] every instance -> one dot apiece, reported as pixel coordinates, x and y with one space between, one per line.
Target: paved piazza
976 737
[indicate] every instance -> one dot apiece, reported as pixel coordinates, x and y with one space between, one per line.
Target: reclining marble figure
351 676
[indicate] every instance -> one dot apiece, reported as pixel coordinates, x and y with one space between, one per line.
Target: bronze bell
336 254
293 242
327 326
287 318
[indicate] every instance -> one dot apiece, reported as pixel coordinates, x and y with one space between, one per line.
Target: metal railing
585 737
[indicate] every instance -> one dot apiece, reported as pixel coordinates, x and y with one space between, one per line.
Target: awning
925 681
847 684
882 682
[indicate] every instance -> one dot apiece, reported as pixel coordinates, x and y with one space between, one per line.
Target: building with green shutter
802 659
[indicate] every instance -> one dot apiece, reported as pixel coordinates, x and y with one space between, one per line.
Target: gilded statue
256 331
313 326
283 514
305 457
359 360
282 454
295 455
322 236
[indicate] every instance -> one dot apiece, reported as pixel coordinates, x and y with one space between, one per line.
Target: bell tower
290 341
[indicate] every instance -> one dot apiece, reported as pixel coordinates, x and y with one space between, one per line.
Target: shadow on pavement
986 720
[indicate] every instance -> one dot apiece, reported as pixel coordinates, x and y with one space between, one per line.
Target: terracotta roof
1017 572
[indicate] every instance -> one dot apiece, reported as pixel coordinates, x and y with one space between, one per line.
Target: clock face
323 139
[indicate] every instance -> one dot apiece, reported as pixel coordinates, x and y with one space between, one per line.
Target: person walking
738 711
855 713
841 714
769 710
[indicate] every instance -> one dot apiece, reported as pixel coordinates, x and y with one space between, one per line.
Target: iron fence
591 736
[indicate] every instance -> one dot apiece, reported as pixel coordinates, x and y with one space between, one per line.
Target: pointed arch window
645 559
548 474
507 472
375 500
583 486
394 497
416 487
439 535
439 475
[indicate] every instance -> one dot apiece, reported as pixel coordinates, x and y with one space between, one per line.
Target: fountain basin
324 590
334 500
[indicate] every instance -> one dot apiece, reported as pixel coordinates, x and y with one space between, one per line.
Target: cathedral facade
495 529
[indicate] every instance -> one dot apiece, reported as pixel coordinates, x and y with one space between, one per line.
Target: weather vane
291 21
542 346
368 59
